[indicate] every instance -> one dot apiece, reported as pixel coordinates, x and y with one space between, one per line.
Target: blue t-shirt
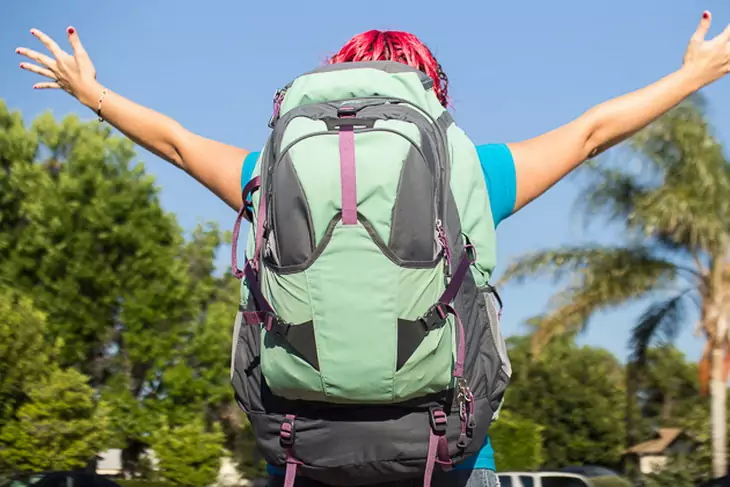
499 173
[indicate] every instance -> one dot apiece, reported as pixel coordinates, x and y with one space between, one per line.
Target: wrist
89 96
690 79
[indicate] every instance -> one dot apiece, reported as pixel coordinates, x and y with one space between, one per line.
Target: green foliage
142 483
611 481
118 292
517 443
681 471
60 427
674 213
24 354
189 455
576 394
671 203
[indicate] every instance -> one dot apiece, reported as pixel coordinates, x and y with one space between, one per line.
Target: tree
576 394
189 455
24 353
517 443
60 427
131 302
675 215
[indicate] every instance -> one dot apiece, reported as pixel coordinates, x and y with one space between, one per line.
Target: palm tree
674 208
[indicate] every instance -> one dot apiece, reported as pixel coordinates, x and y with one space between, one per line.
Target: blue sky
517 69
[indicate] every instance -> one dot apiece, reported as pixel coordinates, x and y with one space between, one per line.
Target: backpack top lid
361 79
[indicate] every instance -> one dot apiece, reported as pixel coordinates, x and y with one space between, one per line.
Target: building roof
657 445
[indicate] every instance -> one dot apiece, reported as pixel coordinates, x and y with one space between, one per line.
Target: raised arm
544 160
214 164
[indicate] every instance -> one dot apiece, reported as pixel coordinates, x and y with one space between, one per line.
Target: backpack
367 346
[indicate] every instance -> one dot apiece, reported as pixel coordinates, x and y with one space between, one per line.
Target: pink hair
404 47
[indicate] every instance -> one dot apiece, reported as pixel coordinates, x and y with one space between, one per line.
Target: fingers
46 85
38 70
73 38
36 56
49 43
703 28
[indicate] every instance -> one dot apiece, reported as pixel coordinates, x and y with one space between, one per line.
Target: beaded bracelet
101 99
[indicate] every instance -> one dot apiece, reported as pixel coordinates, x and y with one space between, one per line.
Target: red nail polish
71 30
22 65
706 15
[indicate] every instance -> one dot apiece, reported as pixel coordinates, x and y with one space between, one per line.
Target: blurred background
116 304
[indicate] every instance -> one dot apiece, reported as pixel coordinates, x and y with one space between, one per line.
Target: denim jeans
455 478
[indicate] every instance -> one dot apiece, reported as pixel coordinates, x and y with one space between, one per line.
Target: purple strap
244 212
248 190
291 469
456 280
234 245
260 222
347 175
286 434
461 347
254 317
254 286
445 301
438 449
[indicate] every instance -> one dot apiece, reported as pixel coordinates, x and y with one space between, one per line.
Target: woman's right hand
75 74
707 60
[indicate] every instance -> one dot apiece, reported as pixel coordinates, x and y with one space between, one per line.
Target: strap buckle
438 420
287 433
346 111
276 325
434 318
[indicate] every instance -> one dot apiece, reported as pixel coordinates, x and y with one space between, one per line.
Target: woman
515 173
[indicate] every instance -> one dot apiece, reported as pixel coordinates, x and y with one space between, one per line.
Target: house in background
109 464
652 455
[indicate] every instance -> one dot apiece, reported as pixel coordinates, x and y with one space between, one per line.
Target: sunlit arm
544 160
214 164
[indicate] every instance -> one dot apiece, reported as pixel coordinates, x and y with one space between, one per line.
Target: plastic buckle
434 318
346 111
438 420
276 325
286 433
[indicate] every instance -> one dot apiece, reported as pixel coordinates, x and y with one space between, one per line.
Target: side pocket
235 338
498 347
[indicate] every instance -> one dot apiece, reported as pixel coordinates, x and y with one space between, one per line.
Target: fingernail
71 30
22 65
706 15
17 51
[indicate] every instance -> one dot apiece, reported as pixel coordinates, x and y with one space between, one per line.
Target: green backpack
367 330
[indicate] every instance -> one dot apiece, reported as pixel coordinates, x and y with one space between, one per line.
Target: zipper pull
443 242
278 99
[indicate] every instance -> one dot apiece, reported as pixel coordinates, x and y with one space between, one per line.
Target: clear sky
517 68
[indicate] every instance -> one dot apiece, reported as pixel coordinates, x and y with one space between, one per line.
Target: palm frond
663 321
603 277
611 192
674 188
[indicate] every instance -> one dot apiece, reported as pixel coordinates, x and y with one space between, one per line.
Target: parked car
542 479
719 482
590 471
57 479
